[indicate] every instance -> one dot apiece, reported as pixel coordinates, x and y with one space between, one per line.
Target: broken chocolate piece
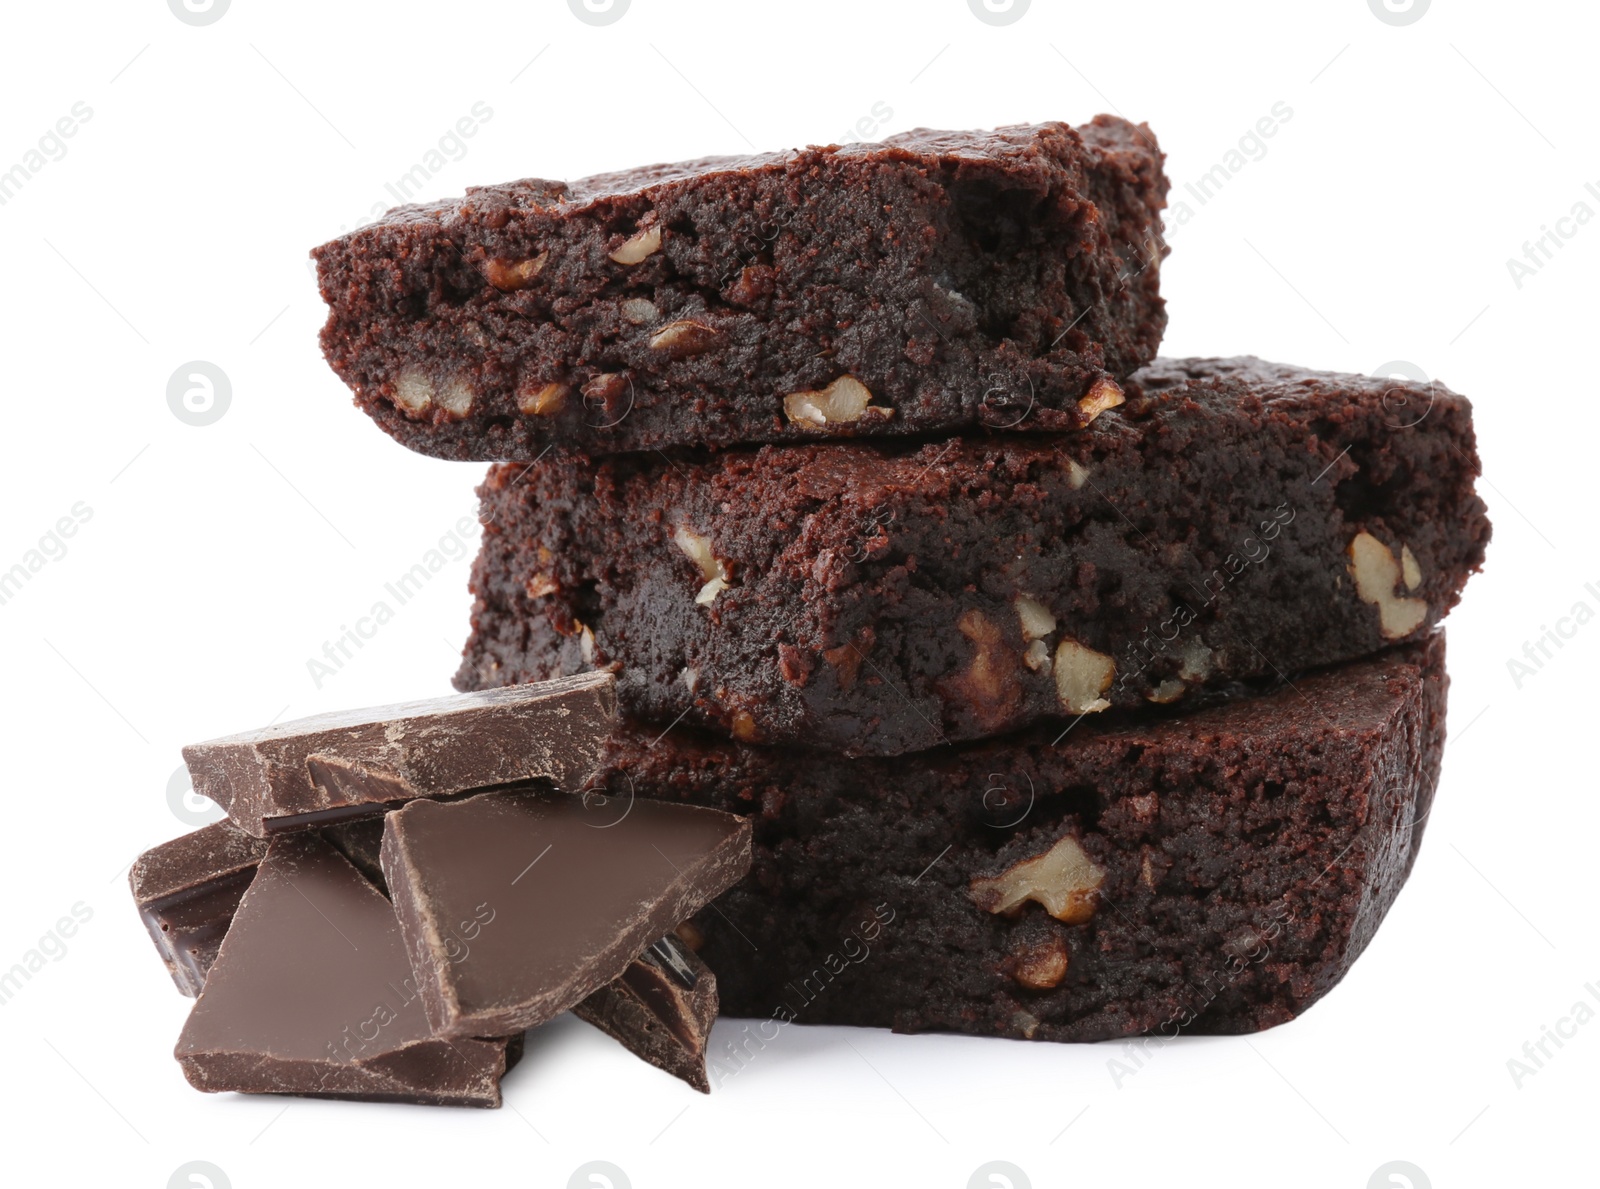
351 763
187 891
661 1008
310 994
515 906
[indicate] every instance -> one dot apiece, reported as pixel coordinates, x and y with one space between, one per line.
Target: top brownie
934 282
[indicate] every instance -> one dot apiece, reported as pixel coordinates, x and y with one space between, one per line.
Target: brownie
1234 520
935 281
1215 871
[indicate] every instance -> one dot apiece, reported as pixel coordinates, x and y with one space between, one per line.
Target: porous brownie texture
1234 520
1213 872
935 281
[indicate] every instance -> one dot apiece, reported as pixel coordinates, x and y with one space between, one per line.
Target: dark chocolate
311 994
661 1008
187 892
332 766
516 906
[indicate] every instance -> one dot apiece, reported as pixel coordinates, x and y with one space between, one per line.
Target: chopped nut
684 338
1035 617
1376 574
413 391
989 683
640 311
543 401
1039 965
586 645
1082 675
1409 569
709 592
1196 659
604 386
690 678
1077 475
1026 1023
1103 395
1064 879
744 727
1168 691
511 275
843 401
540 585
456 396
698 550
641 245
1037 657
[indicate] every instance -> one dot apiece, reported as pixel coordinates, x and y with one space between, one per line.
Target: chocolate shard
516 906
349 763
310 994
187 891
661 1009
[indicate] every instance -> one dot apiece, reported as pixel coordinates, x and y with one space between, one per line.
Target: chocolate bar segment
934 282
187 892
661 1008
311 994
351 763
516 906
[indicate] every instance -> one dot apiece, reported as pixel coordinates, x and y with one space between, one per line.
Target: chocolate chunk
515 906
360 841
662 1009
351 763
187 891
311 994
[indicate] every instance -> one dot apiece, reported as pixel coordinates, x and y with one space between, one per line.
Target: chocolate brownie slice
935 281
1234 520
1217 871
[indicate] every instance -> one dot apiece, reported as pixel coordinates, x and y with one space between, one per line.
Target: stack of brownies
1074 693
1070 693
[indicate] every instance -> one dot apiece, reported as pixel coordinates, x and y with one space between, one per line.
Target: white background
218 559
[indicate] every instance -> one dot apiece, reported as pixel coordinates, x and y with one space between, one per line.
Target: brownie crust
1235 520
1246 855
933 282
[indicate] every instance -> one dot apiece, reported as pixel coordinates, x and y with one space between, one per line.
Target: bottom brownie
1216 871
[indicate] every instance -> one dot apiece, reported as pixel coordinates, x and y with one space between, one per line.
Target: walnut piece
1035 618
413 391
456 396
698 550
684 338
544 400
511 275
989 683
639 246
1077 475
1039 965
1082 675
640 311
846 399
1409 569
1168 691
1037 657
1376 575
1103 395
1064 879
